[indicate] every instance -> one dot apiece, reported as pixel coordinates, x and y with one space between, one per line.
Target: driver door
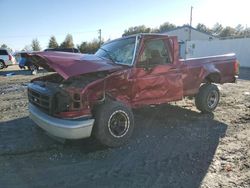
156 79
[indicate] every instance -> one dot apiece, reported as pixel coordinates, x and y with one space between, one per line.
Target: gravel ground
173 145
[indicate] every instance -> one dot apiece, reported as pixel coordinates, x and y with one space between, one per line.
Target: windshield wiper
109 54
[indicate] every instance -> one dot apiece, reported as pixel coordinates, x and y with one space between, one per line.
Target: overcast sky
23 20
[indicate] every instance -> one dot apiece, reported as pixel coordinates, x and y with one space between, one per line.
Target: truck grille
44 102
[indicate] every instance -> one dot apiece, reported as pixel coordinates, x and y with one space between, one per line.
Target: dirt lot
172 146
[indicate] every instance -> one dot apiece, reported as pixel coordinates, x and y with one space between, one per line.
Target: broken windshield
119 51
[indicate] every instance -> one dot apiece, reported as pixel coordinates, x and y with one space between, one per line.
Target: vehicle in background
72 50
24 62
6 59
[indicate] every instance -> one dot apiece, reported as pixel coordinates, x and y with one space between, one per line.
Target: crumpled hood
72 64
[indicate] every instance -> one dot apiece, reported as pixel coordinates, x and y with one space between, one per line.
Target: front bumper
67 129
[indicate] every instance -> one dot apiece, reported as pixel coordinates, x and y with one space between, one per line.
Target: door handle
173 68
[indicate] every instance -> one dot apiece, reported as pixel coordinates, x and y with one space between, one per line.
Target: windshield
119 51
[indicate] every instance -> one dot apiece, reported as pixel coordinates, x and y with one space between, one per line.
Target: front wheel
2 65
33 67
208 98
114 124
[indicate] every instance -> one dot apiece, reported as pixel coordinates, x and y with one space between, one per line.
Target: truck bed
218 69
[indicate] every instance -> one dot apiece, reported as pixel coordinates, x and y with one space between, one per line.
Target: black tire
33 67
2 65
208 98
21 67
114 124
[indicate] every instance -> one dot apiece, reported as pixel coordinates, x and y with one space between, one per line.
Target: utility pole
190 24
189 34
100 37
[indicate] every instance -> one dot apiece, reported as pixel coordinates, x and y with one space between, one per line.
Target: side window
3 52
155 53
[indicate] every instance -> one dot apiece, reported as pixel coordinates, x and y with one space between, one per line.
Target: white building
201 44
187 33
240 46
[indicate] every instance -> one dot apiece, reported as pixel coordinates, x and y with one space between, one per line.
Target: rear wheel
114 124
208 98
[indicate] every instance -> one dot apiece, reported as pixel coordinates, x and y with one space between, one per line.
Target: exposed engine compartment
77 81
53 94
82 80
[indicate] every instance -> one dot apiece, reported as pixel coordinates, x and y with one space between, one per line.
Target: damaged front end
62 107
64 94
67 99
61 103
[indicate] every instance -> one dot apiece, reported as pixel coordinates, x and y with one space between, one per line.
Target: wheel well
2 61
213 77
107 98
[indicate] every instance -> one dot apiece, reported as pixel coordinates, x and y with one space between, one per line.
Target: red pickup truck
94 94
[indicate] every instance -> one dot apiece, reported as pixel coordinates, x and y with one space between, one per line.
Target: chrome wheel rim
212 99
118 124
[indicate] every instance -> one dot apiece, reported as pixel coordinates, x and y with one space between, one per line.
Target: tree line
84 47
92 46
217 30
